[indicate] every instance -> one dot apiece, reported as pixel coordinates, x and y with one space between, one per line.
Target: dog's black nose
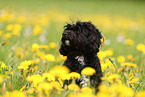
65 34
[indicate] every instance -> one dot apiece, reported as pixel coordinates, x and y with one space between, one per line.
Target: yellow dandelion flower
118 81
85 95
129 57
101 55
121 59
108 74
30 91
121 90
44 47
125 64
26 52
56 85
129 42
64 77
49 76
72 95
17 94
7 36
129 64
35 47
140 94
103 87
45 86
50 57
17 29
44 20
21 19
134 80
88 71
61 58
41 55
86 90
19 49
109 52
113 77
35 79
59 70
1 33
133 65
103 78
74 75
52 45
73 87
9 27
3 65
20 55
1 79
101 94
120 69
11 73
103 66
144 51
35 68
140 47
7 94
107 64
37 30
37 61
24 65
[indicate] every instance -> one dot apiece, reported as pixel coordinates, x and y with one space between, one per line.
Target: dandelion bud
4 43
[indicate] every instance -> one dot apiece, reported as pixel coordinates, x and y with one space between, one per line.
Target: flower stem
88 81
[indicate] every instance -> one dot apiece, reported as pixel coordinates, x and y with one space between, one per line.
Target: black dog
80 43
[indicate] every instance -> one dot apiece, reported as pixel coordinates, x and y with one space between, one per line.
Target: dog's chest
80 60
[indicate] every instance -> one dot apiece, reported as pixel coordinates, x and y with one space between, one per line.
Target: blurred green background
122 7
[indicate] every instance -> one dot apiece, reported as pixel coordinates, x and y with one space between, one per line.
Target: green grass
130 12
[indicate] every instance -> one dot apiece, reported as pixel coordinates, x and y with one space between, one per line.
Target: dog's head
80 38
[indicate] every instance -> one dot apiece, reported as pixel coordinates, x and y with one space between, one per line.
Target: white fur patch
80 60
84 81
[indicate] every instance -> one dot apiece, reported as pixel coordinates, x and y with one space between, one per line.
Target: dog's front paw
83 81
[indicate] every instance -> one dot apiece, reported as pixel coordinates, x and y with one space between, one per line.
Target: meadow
30 33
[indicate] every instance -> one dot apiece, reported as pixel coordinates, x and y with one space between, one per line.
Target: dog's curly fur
82 39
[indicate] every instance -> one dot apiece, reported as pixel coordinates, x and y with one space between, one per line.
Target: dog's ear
94 38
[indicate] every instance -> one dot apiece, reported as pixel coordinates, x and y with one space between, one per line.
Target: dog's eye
68 32
65 34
